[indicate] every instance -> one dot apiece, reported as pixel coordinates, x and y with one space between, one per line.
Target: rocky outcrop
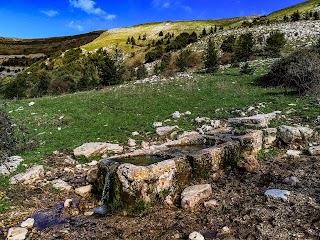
289 134
10 165
95 148
257 121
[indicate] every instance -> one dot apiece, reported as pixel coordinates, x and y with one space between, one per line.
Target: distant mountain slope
11 46
119 36
302 7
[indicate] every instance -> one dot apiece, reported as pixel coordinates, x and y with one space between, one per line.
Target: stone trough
165 170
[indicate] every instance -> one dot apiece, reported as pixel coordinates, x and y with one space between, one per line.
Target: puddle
46 219
142 160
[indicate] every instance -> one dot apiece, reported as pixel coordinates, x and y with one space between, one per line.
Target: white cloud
74 25
89 6
50 13
170 4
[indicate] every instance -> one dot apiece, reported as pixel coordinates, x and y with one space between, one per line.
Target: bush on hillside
182 60
299 71
154 54
141 72
228 43
181 41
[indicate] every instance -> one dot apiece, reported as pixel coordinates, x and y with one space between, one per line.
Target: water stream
106 188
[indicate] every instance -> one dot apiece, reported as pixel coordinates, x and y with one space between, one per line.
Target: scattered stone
135 133
277 193
202 120
187 113
289 134
188 134
29 223
88 213
212 203
31 104
17 233
157 124
176 115
100 210
306 133
295 154
61 185
225 230
10 165
259 120
314 150
145 145
163 131
68 203
215 123
196 236
293 181
95 148
132 142
192 195
70 160
31 175
206 128
84 191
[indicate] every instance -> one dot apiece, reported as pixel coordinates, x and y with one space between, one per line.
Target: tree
315 16
285 18
211 30
295 16
133 41
204 32
181 61
227 44
243 47
160 34
141 72
211 60
275 42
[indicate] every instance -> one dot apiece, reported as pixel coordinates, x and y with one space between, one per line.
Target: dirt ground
243 208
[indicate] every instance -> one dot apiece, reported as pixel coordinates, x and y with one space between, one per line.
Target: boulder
164 131
61 185
211 203
84 191
10 165
192 195
176 115
30 176
314 151
17 233
295 154
289 134
95 148
132 142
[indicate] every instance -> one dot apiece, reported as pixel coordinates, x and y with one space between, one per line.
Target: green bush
211 60
299 71
228 43
181 61
181 41
142 72
246 69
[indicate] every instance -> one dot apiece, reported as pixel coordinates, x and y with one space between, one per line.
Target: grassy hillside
12 46
302 7
118 37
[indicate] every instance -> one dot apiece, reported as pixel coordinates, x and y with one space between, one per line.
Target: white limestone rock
17 233
176 115
259 120
61 185
84 191
314 151
30 176
192 195
10 165
29 223
95 148
164 131
196 236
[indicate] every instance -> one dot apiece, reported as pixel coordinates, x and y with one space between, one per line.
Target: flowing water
106 188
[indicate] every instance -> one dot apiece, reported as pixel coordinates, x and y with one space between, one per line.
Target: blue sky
39 18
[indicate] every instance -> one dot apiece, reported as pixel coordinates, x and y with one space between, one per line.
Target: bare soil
243 208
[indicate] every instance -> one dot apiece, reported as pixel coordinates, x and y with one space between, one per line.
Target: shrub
181 61
295 16
226 58
194 59
299 71
211 60
13 139
275 42
154 54
246 69
181 41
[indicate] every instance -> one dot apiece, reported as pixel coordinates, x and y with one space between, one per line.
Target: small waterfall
106 188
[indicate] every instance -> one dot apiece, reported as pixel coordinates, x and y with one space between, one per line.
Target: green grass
111 115
302 7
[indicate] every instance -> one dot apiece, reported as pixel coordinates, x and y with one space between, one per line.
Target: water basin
142 160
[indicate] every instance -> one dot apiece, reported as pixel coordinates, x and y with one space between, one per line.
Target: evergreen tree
181 62
211 60
243 47
211 30
141 72
160 34
275 42
215 28
204 32
227 44
315 16
295 16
